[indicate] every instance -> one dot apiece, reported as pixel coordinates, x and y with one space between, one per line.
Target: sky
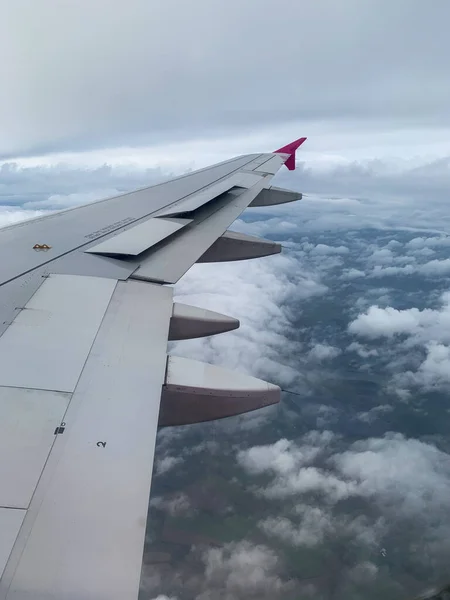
81 76
101 98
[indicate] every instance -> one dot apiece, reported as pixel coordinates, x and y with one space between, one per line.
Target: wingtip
291 149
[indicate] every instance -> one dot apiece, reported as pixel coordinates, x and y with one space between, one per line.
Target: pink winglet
290 149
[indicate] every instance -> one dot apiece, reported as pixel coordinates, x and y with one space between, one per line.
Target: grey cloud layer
367 193
80 74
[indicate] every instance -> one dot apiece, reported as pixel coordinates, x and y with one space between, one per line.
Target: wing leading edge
85 377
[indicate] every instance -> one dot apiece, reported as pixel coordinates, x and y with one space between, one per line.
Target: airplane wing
86 311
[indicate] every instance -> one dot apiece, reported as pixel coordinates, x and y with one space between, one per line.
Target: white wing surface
85 380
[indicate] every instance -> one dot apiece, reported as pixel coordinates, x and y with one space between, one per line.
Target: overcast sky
80 75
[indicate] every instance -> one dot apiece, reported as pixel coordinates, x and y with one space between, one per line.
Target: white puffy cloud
422 325
386 322
428 329
422 252
429 242
290 463
165 464
326 415
383 256
319 439
406 476
321 352
364 572
432 268
324 250
259 294
403 476
361 350
311 479
314 526
243 569
436 366
175 505
435 267
372 414
379 271
432 373
282 457
349 274
394 244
